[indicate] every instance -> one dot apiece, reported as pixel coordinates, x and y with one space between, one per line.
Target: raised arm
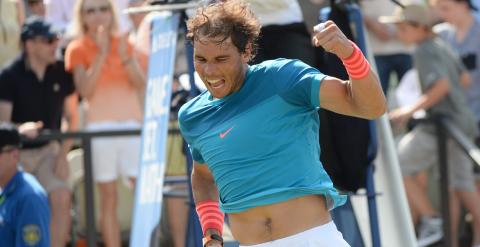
135 73
362 95
86 78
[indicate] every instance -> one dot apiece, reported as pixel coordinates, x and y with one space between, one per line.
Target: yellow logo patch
31 234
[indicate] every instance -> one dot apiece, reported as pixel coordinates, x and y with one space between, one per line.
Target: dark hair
9 135
226 19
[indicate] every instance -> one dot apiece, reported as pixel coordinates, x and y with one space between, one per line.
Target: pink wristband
356 64
210 216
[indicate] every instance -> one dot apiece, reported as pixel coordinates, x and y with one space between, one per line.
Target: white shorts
115 156
325 235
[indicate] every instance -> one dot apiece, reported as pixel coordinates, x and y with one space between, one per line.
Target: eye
200 59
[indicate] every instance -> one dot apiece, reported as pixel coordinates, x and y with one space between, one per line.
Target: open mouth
216 84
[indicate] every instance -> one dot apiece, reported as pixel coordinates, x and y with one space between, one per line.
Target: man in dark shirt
24 211
33 89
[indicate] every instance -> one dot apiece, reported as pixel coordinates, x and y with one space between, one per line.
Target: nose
209 69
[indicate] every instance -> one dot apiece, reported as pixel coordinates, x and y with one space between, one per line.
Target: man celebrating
24 212
254 134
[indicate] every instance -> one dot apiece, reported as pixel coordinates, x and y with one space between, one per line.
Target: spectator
32 93
136 18
462 32
36 7
108 76
476 4
12 15
59 13
24 212
124 22
391 56
440 73
283 33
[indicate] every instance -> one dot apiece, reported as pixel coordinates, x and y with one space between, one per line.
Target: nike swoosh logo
222 135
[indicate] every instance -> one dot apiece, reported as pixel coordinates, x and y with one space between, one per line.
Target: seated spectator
24 212
108 76
12 16
32 93
440 73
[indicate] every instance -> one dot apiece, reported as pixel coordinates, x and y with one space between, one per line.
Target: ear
248 54
28 45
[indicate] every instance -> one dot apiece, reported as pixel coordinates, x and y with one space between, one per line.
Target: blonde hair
78 26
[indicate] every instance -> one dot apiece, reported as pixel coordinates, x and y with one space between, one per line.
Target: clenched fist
332 39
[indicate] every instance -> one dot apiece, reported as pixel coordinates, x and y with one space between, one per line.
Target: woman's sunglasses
100 9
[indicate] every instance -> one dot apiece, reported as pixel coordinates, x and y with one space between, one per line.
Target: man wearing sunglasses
33 89
24 212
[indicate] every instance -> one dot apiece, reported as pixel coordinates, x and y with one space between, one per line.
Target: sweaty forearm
367 95
364 88
203 189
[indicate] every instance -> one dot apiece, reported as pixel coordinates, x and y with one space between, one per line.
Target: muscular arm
362 98
203 184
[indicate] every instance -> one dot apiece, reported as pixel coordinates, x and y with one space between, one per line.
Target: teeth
214 81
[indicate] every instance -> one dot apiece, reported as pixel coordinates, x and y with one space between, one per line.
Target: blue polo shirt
24 213
261 143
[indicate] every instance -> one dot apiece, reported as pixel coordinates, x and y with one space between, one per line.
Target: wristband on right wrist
356 64
210 216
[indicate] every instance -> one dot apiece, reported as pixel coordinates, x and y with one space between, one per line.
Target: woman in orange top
110 79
